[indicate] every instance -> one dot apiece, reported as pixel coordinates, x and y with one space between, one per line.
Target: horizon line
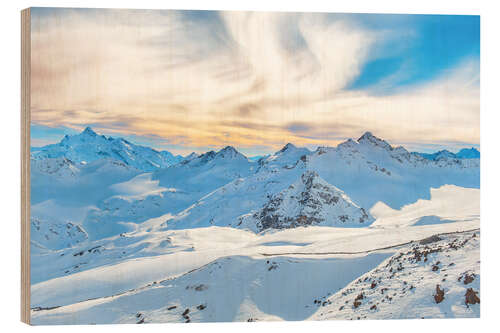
241 150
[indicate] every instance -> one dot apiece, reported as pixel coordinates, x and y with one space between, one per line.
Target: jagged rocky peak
369 138
87 135
226 153
287 157
350 143
229 152
208 156
309 201
89 131
191 156
289 146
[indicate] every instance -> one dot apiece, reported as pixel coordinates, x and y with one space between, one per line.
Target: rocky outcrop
309 201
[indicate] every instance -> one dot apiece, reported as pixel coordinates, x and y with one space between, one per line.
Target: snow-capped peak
287 157
226 154
88 146
369 138
191 156
350 143
89 131
289 146
229 152
468 153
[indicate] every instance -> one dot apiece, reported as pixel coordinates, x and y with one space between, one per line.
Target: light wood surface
25 163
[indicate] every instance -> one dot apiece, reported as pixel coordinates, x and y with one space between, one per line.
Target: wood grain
25 163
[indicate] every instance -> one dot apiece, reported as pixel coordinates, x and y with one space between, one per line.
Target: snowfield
361 230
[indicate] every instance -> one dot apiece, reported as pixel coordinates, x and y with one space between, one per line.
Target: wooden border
25 164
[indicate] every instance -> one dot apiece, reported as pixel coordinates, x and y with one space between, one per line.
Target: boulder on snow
471 297
439 295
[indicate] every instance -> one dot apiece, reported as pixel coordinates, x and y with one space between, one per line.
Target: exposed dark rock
471 297
201 287
357 300
468 278
439 295
429 240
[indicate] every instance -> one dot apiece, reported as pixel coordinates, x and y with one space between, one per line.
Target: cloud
248 79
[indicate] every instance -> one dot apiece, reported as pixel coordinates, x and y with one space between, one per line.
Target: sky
188 81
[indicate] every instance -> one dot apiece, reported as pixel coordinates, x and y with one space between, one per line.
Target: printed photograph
219 166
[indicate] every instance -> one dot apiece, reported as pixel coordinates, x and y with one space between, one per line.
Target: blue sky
437 43
256 80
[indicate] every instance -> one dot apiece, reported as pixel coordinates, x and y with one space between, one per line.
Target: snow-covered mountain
223 187
465 153
468 153
309 201
88 146
220 224
244 194
371 170
224 155
368 170
175 189
286 157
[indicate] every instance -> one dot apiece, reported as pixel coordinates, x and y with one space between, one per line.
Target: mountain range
88 146
114 221
116 185
464 153
75 151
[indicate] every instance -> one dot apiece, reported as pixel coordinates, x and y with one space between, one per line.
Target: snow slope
234 288
406 284
166 191
241 288
150 254
55 235
447 204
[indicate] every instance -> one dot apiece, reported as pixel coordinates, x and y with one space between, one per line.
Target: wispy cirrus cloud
255 80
